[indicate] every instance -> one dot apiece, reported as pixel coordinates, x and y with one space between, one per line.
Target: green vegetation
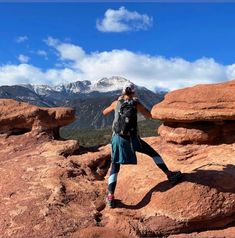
94 137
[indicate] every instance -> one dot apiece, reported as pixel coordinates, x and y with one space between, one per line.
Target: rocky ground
54 188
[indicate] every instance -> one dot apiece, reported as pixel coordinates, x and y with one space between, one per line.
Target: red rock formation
224 233
53 188
206 102
203 114
198 135
98 232
18 117
204 200
44 192
39 192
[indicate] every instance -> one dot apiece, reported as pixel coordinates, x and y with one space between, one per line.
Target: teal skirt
124 148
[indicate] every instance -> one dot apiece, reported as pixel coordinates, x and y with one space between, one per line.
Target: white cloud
51 41
21 39
23 58
66 51
70 52
42 53
22 73
123 20
142 69
25 73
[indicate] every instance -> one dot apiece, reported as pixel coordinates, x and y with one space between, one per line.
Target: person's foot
110 201
174 177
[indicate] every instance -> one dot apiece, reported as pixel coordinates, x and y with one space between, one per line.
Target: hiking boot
174 177
110 201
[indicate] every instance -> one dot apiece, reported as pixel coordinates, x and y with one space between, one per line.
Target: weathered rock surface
204 200
224 233
17 117
198 132
54 188
206 102
203 114
98 232
44 193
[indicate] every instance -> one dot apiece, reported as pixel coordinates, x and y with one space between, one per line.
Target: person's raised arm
143 110
110 108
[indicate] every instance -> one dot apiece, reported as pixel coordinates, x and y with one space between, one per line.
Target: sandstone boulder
203 114
197 137
198 132
18 117
206 102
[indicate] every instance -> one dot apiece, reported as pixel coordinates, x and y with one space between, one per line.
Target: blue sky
169 34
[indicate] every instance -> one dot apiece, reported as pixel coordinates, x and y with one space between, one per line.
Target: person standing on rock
126 141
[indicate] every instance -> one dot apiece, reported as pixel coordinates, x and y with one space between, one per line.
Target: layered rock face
205 102
19 117
198 115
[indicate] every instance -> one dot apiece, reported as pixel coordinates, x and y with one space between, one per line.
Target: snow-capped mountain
103 85
39 89
109 84
75 87
88 98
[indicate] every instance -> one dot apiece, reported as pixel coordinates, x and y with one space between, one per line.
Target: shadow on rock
83 150
162 187
223 181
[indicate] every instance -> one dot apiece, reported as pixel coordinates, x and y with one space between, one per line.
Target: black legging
113 177
145 148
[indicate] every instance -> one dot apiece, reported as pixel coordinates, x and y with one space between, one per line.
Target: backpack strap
121 101
135 100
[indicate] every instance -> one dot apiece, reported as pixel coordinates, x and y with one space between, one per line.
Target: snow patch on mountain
108 84
39 89
103 85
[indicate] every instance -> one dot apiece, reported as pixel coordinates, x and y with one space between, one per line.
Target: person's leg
148 150
112 181
145 148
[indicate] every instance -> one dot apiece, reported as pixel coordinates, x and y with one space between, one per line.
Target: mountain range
88 98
